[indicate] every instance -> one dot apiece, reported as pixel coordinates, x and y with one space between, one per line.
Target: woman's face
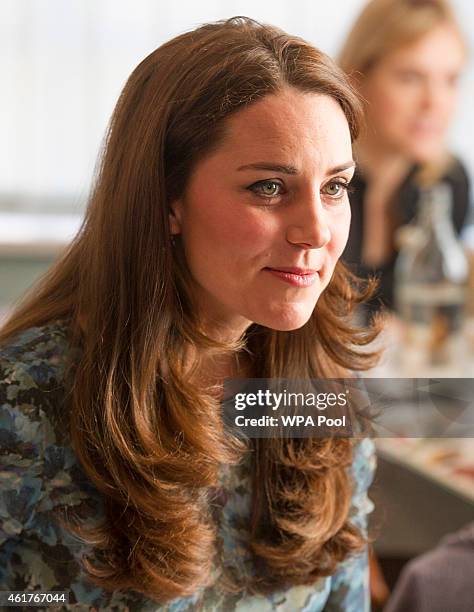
266 215
411 94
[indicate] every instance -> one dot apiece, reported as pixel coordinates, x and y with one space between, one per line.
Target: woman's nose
435 95
308 224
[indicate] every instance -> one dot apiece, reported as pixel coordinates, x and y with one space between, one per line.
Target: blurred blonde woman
405 58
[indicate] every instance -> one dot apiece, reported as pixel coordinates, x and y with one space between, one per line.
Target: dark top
404 207
439 580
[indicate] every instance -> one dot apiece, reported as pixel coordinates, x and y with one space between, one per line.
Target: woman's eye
267 189
409 77
336 189
453 80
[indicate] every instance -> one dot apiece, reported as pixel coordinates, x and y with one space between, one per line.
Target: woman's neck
384 171
214 369
381 164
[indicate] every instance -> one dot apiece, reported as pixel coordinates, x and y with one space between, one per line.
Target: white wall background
63 63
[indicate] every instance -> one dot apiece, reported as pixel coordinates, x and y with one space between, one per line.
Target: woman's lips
295 276
424 128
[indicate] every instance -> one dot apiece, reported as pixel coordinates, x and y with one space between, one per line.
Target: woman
405 57
209 249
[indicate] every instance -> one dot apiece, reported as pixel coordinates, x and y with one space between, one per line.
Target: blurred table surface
424 487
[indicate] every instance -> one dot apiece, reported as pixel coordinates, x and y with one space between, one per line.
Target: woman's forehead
286 124
440 47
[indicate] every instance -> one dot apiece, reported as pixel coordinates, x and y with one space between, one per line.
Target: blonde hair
386 25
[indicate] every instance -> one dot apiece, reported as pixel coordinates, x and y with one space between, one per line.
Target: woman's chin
288 318
425 151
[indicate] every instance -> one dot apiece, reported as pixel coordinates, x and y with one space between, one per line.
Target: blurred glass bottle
431 274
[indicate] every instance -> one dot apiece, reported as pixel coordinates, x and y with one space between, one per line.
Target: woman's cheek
390 108
340 232
253 230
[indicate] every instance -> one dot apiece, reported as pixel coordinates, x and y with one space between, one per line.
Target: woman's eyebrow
272 167
269 166
341 168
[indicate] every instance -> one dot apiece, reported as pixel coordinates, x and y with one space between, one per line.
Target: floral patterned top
40 472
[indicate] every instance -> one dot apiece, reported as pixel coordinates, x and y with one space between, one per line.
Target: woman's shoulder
448 167
457 177
449 170
41 477
456 170
36 357
32 392
364 463
41 351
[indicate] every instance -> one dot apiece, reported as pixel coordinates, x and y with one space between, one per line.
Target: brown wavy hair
145 428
